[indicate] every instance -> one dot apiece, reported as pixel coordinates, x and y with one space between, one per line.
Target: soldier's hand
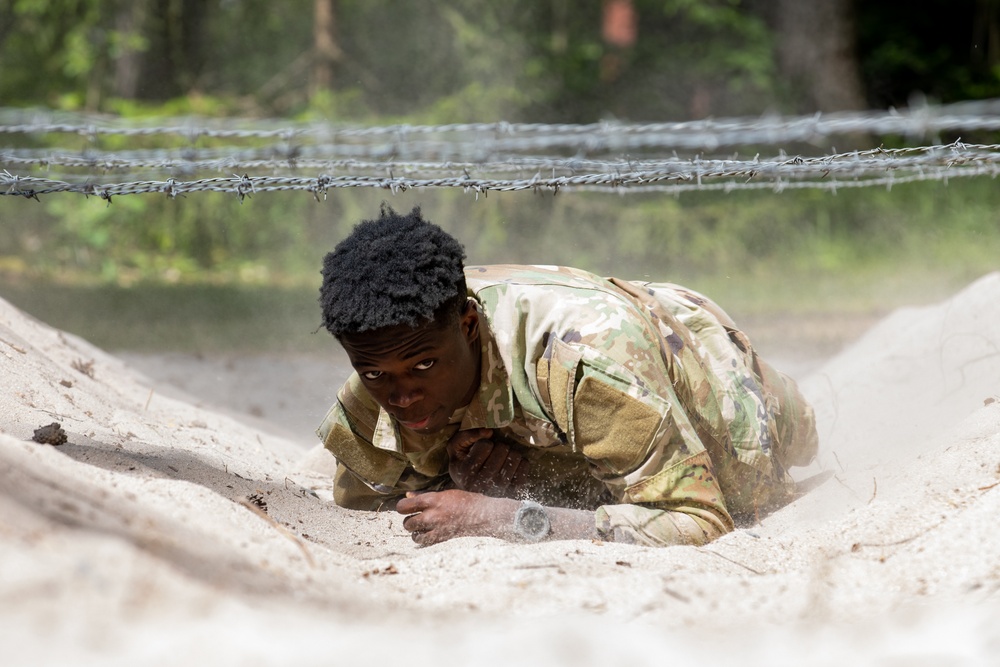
480 464
438 516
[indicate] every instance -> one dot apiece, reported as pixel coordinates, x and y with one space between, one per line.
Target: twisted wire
483 157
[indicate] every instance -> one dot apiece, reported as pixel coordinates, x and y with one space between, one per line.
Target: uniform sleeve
349 491
366 476
641 444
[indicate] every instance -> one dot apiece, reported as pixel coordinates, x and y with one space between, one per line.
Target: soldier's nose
403 398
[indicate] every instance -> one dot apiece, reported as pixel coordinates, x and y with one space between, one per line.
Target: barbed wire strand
243 186
490 155
917 121
196 162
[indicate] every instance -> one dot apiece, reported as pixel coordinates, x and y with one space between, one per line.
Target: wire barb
609 156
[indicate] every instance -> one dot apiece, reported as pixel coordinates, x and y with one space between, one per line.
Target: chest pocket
556 374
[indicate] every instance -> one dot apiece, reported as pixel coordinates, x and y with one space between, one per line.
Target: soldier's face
419 375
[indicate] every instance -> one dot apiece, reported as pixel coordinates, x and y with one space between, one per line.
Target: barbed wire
708 134
485 157
879 165
206 161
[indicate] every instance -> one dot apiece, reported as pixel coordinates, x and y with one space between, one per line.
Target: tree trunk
327 53
986 33
130 20
559 39
816 53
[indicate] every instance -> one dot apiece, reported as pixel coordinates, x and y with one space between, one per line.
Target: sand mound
163 533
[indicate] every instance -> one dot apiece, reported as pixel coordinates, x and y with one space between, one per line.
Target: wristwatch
531 523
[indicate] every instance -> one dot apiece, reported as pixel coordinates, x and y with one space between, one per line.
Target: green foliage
257 49
58 52
949 52
528 60
524 60
485 103
340 105
280 237
729 41
480 60
183 273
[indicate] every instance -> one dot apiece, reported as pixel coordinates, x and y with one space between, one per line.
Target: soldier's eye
424 365
371 375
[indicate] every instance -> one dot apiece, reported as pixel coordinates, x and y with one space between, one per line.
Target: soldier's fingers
427 538
460 443
521 474
506 473
487 479
479 453
414 523
424 530
416 502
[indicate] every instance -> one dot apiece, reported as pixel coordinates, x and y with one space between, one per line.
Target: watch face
532 522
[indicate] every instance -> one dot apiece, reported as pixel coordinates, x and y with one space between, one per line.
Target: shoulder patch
613 429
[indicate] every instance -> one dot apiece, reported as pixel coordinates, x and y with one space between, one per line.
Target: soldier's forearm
569 524
564 524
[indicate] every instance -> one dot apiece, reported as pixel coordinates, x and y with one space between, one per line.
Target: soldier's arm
649 456
365 476
350 492
438 516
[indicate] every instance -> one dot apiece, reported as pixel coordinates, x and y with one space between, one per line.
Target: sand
167 531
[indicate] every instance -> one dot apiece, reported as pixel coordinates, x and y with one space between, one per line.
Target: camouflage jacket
640 401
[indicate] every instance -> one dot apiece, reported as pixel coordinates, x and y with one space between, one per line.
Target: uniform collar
493 404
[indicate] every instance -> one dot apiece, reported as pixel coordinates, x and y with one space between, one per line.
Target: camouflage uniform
641 401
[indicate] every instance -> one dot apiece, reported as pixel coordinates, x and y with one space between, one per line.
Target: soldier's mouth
418 425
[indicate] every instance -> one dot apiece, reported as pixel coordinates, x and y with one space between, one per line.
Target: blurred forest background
206 272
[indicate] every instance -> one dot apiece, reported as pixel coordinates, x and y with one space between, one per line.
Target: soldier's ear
470 322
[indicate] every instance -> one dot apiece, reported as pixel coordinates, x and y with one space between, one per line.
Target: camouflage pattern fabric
641 401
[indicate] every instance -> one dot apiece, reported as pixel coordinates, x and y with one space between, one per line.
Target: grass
808 265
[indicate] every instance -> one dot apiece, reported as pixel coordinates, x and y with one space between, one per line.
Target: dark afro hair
391 271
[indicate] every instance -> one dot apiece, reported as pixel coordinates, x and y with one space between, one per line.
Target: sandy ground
172 528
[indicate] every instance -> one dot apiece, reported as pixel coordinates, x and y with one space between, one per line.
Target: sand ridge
165 532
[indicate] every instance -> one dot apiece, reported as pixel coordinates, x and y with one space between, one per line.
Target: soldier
529 402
